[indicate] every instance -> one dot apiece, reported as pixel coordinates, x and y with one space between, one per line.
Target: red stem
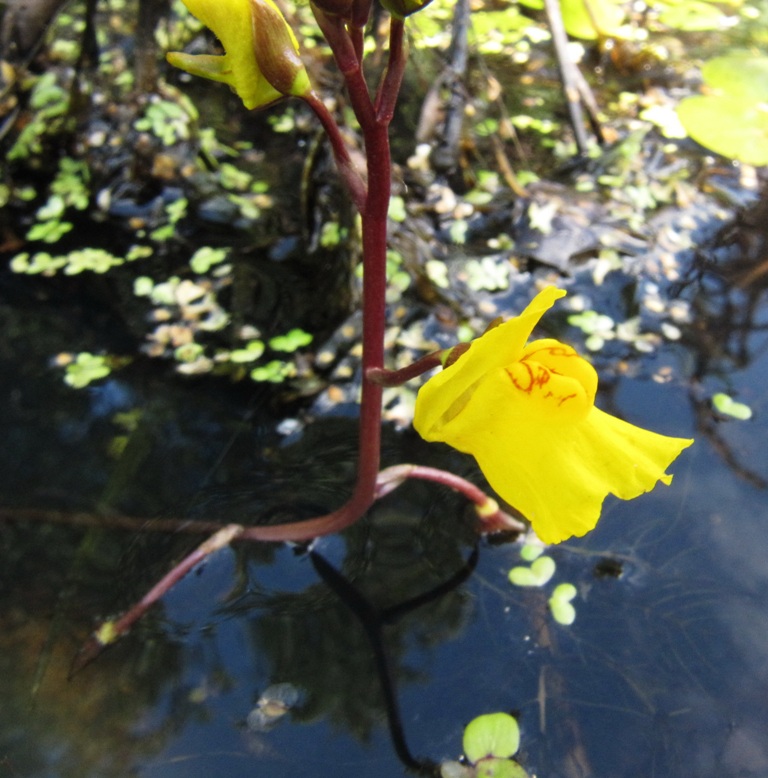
342 44
389 89
385 377
374 226
111 631
494 519
346 167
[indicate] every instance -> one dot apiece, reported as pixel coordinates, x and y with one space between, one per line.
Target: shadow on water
397 626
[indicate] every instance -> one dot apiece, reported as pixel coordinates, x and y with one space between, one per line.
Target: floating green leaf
733 119
437 271
530 551
538 574
274 372
252 351
486 273
85 369
726 405
331 235
500 768
597 326
590 19
291 341
167 120
91 259
189 352
560 604
205 258
492 734
49 231
692 16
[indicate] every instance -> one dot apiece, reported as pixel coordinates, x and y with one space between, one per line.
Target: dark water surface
663 673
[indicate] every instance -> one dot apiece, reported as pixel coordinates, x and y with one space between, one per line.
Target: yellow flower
527 415
261 61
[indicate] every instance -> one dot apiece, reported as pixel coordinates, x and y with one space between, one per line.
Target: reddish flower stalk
386 98
493 517
385 377
373 214
350 175
111 631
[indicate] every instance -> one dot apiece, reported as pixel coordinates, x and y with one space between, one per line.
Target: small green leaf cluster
184 309
84 368
490 741
277 370
332 234
187 311
169 121
601 328
205 258
49 102
538 573
398 279
175 211
250 195
94 260
486 274
69 189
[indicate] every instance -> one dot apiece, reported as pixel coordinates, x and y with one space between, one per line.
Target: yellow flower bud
527 415
235 23
277 51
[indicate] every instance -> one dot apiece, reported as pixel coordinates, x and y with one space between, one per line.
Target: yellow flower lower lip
527 415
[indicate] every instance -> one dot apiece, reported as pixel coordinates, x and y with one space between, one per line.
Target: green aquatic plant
274 372
93 260
597 326
727 406
538 573
249 353
84 368
69 189
489 743
50 103
732 117
291 341
175 211
168 120
560 604
207 257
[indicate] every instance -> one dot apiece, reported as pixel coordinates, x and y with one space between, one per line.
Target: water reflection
662 673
